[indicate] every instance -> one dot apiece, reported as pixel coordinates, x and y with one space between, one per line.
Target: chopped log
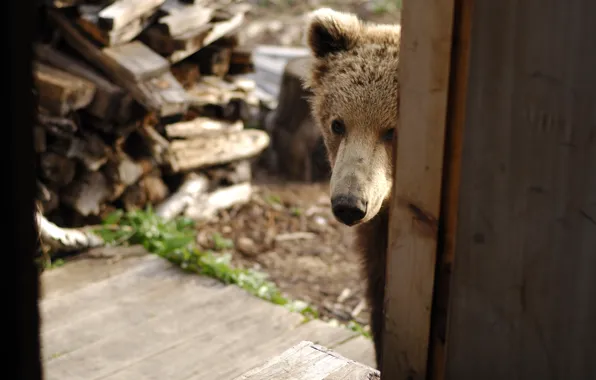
201 126
89 149
183 18
61 92
65 239
149 190
89 22
230 174
87 194
213 60
217 149
165 94
295 137
57 126
108 97
157 144
171 93
186 73
137 61
193 186
179 47
39 139
208 205
56 170
122 172
123 12
48 199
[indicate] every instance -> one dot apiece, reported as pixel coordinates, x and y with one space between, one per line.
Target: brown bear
355 102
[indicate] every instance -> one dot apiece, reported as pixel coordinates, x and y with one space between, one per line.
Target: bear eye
338 127
388 135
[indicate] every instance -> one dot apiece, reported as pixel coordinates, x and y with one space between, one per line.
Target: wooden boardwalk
143 318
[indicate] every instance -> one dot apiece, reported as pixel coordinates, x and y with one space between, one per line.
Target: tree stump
297 150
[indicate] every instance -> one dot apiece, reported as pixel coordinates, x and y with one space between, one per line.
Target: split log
213 60
149 190
56 170
87 194
121 13
295 138
208 205
57 126
193 186
108 97
179 47
136 61
183 18
230 174
61 92
90 150
186 73
217 149
48 199
201 126
89 22
65 239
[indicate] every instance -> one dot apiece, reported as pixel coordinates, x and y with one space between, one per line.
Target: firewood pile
142 102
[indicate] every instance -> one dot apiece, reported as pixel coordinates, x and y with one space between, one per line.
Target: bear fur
355 102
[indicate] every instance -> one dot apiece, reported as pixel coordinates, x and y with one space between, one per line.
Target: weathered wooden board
89 22
308 361
425 61
60 92
143 318
137 61
123 12
522 302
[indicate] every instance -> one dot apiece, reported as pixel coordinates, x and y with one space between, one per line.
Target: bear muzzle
348 209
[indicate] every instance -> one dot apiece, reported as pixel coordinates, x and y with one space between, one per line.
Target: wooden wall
514 296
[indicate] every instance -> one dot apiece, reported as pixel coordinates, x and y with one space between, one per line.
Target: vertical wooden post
425 61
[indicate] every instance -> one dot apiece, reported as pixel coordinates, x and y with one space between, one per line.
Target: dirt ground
289 232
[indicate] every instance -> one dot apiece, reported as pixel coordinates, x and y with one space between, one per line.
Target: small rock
247 246
226 229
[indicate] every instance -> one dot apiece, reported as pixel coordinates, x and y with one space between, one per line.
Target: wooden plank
89 22
525 270
308 361
165 94
170 327
137 61
129 309
108 97
81 272
451 182
413 228
123 12
61 92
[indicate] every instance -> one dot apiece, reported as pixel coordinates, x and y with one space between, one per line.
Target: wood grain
522 297
424 71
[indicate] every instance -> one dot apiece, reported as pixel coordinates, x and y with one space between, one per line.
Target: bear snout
348 209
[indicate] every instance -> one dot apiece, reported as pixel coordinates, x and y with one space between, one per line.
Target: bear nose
348 209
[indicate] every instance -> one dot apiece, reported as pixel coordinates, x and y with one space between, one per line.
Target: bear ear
329 31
